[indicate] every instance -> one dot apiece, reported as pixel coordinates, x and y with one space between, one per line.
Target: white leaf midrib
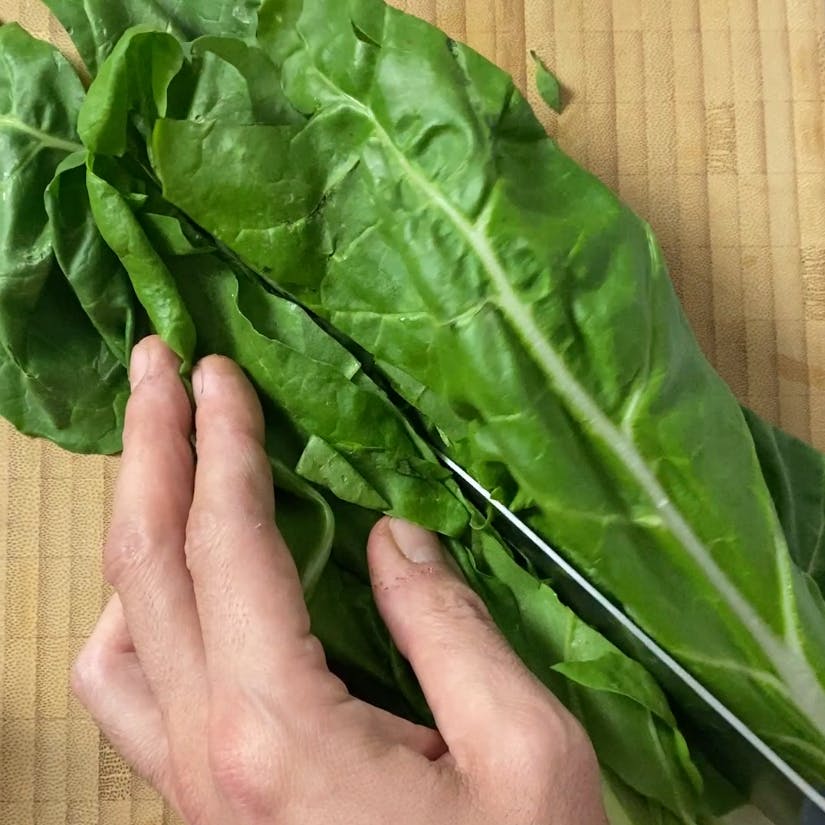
585 408
14 124
794 669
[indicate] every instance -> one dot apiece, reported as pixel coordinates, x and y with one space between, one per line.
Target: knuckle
125 553
242 771
204 532
186 794
539 739
454 603
310 654
88 674
211 529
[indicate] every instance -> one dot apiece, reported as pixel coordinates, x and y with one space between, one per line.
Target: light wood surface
705 115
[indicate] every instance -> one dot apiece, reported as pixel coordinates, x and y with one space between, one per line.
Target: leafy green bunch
369 218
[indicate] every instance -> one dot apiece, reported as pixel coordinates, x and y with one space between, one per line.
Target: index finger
255 623
143 557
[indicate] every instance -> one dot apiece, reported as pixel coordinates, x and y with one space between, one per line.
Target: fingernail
198 381
139 365
417 544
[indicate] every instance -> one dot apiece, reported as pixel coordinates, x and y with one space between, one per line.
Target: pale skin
204 675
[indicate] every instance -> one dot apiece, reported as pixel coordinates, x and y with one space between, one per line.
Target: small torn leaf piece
548 85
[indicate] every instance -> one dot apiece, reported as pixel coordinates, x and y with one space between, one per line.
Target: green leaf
166 234
557 338
325 466
317 382
58 377
94 272
95 26
795 475
131 90
548 85
232 79
626 807
151 280
616 700
306 522
460 277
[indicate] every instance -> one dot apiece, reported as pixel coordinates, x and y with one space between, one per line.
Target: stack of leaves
369 218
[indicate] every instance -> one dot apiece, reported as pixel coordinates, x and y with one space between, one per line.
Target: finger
255 623
110 684
471 678
144 558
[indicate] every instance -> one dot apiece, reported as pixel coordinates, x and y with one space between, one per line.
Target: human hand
204 675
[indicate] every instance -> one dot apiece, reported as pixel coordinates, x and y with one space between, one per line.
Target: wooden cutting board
708 116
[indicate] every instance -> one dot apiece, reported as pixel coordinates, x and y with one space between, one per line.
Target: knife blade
814 813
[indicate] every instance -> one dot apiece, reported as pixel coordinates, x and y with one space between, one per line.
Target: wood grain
705 115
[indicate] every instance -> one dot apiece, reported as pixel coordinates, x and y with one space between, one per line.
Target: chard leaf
306 522
131 90
230 79
168 237
616 700
323 465
557 338
626 807
278 343
398 185
795 475
96 26
94 272
151 280
58 377
311 377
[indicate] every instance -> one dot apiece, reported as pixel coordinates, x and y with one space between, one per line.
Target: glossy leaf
95 26
279 344
93 270
306 522
556 341
614 697
356 443
460 277
153 283
134 82
58 378
795 475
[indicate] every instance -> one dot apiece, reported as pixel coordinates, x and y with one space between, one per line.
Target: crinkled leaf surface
614 697
319 384
151 280
96 276
138 77
495 296
95 26
527 301
297 366
58 377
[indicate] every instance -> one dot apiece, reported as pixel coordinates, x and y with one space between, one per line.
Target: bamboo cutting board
708 116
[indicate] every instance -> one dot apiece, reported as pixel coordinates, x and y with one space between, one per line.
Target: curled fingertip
150 356
140 363
198 381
